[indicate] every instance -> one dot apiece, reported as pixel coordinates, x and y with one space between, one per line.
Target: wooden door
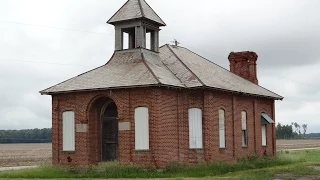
110 134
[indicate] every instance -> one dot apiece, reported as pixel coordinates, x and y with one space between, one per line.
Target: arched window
222 134
264 134
68 135
195 128
265 120
141 131
244 128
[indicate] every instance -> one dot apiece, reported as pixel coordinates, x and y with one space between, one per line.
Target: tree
284 131
296 126
304 126
297 129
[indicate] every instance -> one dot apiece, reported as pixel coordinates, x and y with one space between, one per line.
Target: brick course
244 64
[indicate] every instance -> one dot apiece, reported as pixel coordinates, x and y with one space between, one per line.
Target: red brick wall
244 104
168 125
215 101
266 106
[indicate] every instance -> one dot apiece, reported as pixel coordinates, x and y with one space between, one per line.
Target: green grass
295 163
301 155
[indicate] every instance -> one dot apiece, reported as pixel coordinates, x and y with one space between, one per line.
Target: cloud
33 57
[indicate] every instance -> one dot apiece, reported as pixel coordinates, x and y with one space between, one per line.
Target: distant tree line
292 131
25 136
313 135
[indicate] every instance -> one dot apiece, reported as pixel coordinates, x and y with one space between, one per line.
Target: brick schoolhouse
160 105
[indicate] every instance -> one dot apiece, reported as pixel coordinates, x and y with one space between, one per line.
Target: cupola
136 18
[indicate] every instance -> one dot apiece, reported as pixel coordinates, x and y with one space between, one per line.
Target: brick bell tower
244 64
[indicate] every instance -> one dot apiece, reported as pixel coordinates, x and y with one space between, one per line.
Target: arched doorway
109 132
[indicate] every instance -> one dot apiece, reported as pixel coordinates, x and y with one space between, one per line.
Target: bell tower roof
136 9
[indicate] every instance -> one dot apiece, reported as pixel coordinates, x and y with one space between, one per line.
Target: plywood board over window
195 128
222 134
244 128
68 135
141 124
264 135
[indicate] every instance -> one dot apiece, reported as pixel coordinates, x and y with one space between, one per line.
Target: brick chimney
244 64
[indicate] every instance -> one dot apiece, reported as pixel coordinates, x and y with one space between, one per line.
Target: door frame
103 109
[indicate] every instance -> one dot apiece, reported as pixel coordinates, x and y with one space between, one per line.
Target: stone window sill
142 150
196 149
68 152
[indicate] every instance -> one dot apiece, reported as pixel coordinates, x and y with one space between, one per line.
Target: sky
44 42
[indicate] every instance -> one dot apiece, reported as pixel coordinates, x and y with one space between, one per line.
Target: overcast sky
44 42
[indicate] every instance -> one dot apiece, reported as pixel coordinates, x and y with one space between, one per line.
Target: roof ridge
155 12
163 46
175 75
147 66
42 92
169 47
229 71
118 11
141 9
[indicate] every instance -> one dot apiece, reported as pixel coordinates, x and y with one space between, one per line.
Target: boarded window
244 128
195 128
222 139
141 124
244 120
264 135
68 135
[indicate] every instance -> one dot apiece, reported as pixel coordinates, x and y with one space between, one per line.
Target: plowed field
35 154
298 144
24 154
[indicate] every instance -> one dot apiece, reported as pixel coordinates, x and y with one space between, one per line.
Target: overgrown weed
173 170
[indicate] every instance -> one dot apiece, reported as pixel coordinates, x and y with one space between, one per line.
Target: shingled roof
135 9
173 66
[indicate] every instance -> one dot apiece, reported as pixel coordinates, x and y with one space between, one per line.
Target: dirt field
297 144
24 154
35 154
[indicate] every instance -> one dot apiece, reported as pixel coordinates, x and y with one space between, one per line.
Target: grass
288 163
